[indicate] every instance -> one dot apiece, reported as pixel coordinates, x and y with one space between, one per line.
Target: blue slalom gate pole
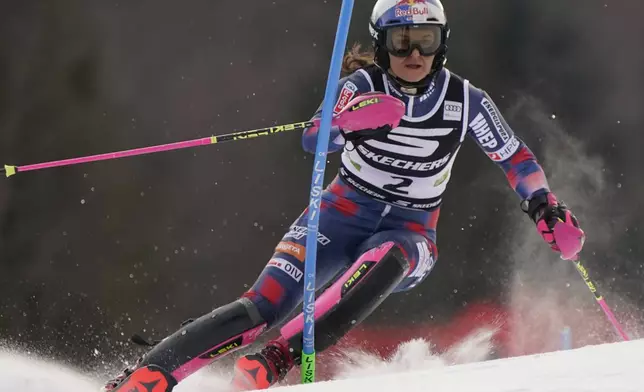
566 338
319 166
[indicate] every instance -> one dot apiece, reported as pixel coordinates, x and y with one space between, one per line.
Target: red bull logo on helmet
411 12
412 9
411 2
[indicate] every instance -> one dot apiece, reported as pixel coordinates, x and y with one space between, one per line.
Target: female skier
377 228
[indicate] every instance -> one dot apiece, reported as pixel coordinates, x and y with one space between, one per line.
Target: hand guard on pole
378 122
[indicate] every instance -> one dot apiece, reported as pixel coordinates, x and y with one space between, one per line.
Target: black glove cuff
532 206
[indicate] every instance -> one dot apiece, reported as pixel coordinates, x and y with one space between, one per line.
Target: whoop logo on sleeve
483 132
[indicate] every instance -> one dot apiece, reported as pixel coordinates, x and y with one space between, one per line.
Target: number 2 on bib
396 188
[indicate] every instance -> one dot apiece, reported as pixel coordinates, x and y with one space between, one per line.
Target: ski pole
363 114
570 240
600 299
243 135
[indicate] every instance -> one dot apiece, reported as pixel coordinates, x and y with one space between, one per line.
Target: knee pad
352 297
420 252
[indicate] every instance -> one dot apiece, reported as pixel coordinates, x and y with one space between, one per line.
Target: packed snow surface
601 368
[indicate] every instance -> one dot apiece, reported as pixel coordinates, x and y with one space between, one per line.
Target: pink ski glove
557 226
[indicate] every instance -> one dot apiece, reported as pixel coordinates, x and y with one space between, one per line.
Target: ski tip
150 378
8 170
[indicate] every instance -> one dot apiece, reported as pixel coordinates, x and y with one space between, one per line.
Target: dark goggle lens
401 41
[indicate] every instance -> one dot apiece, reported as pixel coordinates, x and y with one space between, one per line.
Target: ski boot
116 381
150 377
264 369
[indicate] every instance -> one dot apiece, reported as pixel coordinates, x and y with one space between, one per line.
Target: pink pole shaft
120 154
599 298
611 317
372 114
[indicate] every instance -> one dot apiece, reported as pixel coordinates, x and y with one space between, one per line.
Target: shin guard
351 299
206 339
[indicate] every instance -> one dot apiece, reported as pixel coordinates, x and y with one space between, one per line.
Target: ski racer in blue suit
377 228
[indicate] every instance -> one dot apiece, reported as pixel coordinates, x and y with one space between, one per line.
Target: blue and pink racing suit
377 224
390 188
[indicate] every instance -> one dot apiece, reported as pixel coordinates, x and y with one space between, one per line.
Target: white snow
602 368
605 368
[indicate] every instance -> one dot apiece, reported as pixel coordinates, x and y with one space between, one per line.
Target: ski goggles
401 41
